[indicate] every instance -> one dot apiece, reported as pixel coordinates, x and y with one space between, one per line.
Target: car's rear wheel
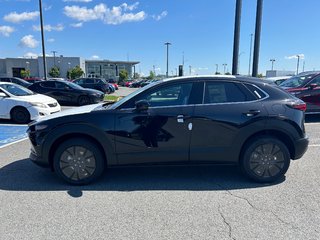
265 159
20 115
78 161
83 100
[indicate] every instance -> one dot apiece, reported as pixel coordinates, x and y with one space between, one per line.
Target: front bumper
300 147
36 159
37 112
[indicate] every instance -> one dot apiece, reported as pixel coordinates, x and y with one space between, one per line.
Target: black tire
20 115
265 159
83 100
78 161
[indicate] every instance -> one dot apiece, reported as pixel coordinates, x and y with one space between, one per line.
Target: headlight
41 105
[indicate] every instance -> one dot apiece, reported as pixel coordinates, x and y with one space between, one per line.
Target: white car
22 105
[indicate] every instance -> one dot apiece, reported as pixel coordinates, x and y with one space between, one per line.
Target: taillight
299 106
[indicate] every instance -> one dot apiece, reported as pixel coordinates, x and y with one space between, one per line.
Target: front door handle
252 113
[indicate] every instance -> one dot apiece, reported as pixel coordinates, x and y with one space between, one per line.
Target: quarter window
224 92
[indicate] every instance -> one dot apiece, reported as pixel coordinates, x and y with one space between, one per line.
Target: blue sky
137 30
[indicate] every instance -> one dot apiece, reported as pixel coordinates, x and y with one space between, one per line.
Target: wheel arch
285 138
64 133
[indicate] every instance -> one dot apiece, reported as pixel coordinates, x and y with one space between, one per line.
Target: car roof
238 78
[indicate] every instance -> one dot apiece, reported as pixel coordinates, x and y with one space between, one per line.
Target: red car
305 86
114 83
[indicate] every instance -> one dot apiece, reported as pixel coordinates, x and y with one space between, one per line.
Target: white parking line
13 125
314 145
20 140
312 123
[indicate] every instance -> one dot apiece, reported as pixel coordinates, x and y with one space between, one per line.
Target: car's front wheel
265 159
20 115
78 161
83 100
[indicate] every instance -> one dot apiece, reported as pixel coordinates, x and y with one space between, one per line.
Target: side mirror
142 105
2 94
312 86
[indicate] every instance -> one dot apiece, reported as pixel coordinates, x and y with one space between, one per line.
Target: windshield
16 90
296 81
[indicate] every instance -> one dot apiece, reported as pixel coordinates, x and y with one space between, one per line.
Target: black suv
94 83
187 120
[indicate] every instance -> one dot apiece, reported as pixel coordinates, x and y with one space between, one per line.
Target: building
11 67
279 73
108 69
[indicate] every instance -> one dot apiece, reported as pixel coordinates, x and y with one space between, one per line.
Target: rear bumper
300 147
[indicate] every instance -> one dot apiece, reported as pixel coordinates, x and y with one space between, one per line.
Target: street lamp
251 36
167 43
298 56
42 39
272 62
190 68
224 68
217 68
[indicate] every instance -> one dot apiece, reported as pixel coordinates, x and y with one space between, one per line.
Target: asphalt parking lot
214 202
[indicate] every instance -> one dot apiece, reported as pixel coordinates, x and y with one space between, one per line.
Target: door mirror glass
142 105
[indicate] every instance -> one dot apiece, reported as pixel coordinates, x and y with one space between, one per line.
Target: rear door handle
252 113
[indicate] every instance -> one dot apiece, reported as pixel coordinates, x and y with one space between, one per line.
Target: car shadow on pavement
22 175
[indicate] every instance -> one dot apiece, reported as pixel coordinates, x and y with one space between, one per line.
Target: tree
123 76
54 72
227 73
75 72
25 73
151 75
217 73
260 75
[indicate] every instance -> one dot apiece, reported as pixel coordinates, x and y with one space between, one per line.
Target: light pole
236 41
238 71
217 68
190 68
224 68
54 58
42 38
251 36
298 56
167 43
257 38
272 62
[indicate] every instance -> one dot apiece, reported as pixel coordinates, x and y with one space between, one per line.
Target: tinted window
256 91
61 85
48 84
79 81
297 81
169 95
16 90
316 81
5 80
89 81
223 92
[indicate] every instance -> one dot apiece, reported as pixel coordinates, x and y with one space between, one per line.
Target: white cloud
95 57
301 56
76 25
29 42
6 30
49 28
84 14
159 17
47 8
84 1
127 7
114 15
51 40
15 17
30 55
